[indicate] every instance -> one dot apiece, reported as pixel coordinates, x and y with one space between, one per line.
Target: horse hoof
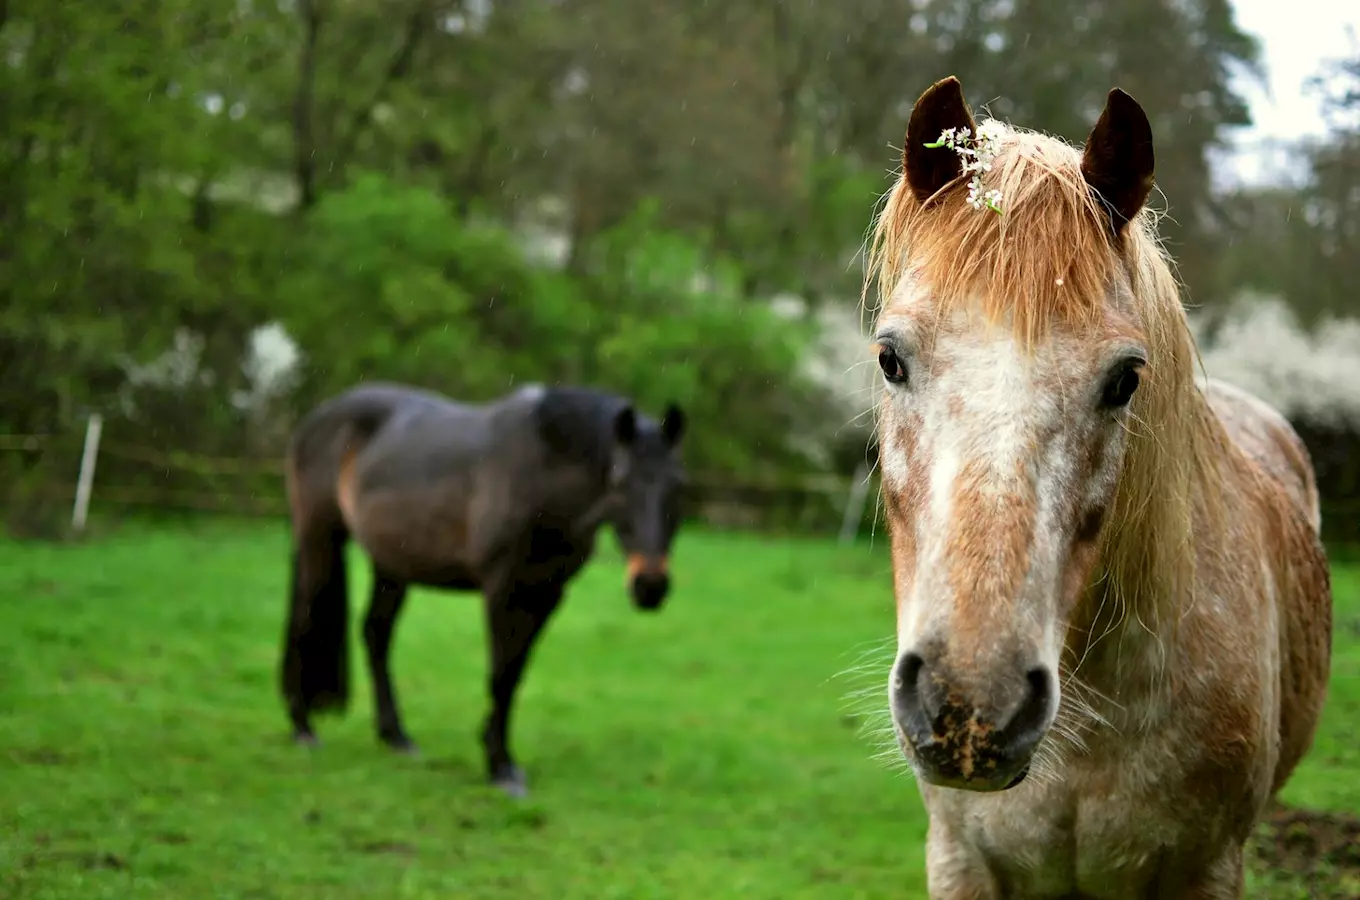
511 781
402 745
306 739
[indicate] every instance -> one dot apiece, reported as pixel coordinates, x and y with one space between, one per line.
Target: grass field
705 752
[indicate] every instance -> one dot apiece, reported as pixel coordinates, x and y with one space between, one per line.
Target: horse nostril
1027 725
909 706
905 675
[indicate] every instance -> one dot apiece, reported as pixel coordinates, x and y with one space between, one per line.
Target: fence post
854 504
93 429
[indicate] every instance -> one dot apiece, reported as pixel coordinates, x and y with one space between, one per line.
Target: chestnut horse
1113 606
504 498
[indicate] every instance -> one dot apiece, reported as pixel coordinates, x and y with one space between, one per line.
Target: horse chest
1096 851
552 553
1093 836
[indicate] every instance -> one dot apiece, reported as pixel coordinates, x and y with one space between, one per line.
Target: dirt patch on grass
394 848
1316 850
40 756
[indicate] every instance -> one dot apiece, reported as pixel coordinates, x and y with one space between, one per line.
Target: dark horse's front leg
514 619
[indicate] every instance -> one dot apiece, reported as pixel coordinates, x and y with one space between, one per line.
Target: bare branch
397 69
304 125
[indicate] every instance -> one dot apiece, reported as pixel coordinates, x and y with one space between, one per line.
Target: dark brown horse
504 498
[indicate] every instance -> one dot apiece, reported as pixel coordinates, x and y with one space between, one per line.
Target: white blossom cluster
977 155
1312 375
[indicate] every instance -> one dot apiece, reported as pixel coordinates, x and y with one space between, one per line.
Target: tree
1303 243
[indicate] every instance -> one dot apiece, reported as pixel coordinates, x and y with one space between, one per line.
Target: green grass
701 753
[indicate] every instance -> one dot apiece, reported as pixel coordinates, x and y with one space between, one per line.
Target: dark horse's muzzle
648 581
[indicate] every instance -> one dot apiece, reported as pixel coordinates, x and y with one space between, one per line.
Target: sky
1296 36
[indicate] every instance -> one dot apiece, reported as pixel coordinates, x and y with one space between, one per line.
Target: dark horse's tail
315 666
316 643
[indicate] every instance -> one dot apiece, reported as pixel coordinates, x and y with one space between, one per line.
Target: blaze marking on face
640 564
997 466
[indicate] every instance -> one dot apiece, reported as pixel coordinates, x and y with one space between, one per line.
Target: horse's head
646 479
1011 345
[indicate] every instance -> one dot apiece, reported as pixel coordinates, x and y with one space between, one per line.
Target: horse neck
574 488
1124 645
1116 666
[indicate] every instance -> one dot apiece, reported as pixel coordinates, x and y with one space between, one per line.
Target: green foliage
388 283
366 176
680 329
100 260
1301 240
366 292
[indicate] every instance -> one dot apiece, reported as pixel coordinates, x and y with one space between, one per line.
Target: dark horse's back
349 421
383 452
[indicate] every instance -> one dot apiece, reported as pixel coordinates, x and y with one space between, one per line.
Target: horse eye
1119 389
893 369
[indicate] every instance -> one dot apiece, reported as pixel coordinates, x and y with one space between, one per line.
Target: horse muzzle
648 581
958 740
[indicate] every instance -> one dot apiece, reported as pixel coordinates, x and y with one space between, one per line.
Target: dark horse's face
647 479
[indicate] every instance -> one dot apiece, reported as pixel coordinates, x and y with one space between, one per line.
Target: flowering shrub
1310 376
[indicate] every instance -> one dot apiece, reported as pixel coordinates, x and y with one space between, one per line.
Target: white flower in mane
977 154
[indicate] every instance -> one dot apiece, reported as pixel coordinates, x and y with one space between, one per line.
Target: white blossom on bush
1260 347
271 365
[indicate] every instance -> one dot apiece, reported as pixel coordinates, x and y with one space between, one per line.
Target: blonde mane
1048 260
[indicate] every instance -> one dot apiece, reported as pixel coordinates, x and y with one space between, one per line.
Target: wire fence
126 475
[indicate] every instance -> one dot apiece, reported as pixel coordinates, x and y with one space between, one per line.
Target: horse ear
941 107
1118 160
673 424
625 425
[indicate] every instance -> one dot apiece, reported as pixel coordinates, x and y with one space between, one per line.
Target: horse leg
954 870
383 609
1223 879
515 618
